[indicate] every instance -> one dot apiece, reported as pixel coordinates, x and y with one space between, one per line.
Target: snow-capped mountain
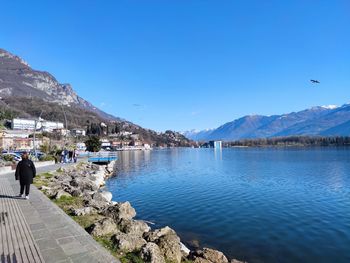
329 120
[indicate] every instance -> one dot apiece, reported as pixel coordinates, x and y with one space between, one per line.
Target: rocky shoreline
81 186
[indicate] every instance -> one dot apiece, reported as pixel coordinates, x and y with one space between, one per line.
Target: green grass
87 220
107 243
80 165
132 257
47 175
42 179
40 182
68 202
60 170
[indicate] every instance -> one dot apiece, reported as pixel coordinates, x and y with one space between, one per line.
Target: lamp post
34 134
65 119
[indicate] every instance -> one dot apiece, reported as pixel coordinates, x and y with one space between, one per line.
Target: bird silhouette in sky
315 81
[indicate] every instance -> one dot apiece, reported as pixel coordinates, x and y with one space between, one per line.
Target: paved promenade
36 230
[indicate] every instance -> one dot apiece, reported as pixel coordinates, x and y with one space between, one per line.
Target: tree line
292 141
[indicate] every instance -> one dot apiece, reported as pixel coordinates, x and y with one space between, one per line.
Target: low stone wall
5 169
115 220
42 164
9 169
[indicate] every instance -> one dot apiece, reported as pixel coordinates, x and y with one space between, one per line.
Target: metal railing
99 157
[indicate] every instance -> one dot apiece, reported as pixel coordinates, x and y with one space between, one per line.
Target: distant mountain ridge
321 120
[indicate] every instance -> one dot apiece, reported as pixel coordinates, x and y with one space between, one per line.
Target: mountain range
27 93
317 121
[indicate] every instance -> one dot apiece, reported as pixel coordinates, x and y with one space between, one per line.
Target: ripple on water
259 205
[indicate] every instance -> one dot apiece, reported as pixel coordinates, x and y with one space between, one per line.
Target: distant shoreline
290 146
292 141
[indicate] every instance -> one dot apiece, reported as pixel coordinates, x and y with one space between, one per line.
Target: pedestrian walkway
36 230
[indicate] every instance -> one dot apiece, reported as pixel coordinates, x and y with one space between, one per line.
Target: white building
78 132
15 134
105 143
124 133
28 124
49 126
23 124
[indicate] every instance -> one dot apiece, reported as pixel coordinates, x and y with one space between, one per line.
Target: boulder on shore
168 242
98 205
103 196
120 211
127 243
84 184
50 191
103 227
61 193
75 191
82 211
208 254
157 233
151 253
133 227
185 251
171 247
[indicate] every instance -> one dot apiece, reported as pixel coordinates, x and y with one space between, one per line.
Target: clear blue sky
187 64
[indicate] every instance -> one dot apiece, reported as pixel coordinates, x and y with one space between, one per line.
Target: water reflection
218 153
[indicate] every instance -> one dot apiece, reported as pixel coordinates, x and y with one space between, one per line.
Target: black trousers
27 187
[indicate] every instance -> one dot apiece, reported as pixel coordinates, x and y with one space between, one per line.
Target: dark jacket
25 171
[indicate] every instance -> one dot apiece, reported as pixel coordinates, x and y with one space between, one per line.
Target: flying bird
314 81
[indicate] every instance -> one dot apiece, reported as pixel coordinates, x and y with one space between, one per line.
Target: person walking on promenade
70 156
25 172
62 157
75 156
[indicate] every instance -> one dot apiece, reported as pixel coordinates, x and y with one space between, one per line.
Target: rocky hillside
26 92
18 79
322 120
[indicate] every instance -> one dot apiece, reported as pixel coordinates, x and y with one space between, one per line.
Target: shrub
47 158
93 144
7 158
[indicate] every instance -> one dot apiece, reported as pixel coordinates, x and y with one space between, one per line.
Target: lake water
259 205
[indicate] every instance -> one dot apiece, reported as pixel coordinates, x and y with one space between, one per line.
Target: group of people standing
68 156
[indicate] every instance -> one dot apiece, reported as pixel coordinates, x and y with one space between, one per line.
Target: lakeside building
215 144
124 133
147 146
212 144
13 144
61 132
29 124
120 144
78 132
15 134
49 126
6 143
105 144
